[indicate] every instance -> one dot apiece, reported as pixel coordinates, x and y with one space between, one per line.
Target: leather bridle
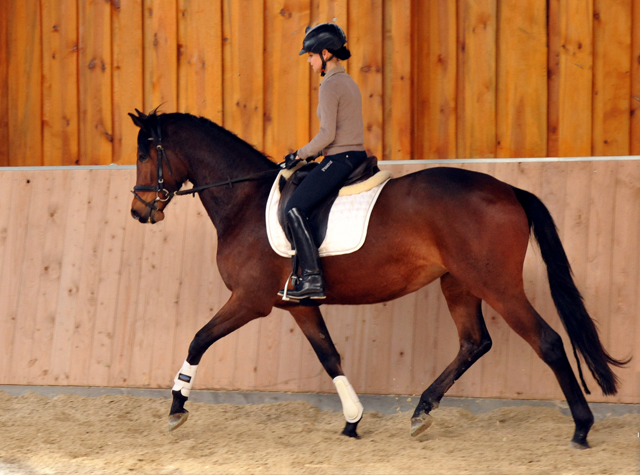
164 195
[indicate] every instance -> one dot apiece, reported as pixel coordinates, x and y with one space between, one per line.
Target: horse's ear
139 119
142 115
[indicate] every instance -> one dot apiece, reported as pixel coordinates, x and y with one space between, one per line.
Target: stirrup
283 293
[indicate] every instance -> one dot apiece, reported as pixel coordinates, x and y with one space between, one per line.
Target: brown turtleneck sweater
340 114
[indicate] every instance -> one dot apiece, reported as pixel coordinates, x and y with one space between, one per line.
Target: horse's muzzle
145 214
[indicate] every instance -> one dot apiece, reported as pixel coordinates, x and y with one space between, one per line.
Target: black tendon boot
311 284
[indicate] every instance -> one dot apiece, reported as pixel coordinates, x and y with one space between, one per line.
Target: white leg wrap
184 378
351 405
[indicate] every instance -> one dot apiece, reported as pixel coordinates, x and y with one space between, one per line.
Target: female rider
340 140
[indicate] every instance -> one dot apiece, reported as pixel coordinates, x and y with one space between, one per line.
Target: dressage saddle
319 216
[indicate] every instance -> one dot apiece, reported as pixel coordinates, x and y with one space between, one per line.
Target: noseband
163 195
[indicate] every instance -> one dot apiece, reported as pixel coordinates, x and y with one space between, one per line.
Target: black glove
290 160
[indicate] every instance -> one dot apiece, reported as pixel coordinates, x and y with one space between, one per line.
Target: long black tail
566 296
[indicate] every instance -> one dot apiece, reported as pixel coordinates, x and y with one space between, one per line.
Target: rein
229 182
161 190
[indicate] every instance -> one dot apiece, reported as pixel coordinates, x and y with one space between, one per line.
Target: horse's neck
229 206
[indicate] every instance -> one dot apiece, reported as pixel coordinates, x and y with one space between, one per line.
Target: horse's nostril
135 215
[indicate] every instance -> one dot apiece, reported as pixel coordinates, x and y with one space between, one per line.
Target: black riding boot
311 284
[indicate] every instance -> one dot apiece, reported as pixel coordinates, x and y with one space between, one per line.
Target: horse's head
160 172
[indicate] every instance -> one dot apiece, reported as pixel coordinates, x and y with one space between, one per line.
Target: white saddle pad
347 227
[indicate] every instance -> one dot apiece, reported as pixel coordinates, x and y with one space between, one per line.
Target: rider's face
316 62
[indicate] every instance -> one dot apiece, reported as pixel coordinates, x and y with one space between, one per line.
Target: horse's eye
142 157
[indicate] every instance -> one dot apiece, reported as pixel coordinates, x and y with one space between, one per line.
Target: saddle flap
319 216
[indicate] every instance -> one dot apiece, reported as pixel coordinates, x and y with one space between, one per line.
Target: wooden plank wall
91 297
439 78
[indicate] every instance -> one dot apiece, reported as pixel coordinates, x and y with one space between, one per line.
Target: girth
319 215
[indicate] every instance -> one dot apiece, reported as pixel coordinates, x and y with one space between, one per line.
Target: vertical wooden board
70 281
286 77
25 339
144 327
323 11
244 70
60 82
246 367
354 352
399 118
476 92
522 79
89 278
55 205
421 77
160 55
94 83
200 58
290 342
612 77
631 382
600 246
623 312
269 349
378 350
129 294
360 363
101 352
165 294
13 241
426 343
24 91
442 79
128 76
387 78
570 77
366 38
635 81
4 87
576 222
403 320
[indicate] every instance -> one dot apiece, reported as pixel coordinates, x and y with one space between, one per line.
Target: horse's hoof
420 424
176 420
350 430
579 445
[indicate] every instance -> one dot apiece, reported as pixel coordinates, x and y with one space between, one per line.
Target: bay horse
467 229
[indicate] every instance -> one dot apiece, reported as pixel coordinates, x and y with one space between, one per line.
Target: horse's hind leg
475 341
310 321
526 322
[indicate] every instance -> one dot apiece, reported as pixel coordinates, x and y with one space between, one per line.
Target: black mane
173 117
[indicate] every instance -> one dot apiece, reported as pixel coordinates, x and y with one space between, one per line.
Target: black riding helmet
327 36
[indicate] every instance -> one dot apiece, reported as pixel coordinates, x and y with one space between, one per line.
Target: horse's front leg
310 321
233 315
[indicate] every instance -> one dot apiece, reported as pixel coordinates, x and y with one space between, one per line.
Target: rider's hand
291 160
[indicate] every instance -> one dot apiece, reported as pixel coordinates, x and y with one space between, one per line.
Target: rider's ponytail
342 53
